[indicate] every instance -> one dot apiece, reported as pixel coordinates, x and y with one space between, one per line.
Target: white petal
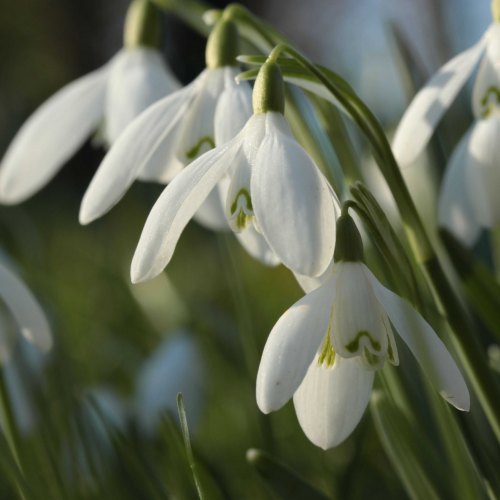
482 175
331 400
488 76
131 152
174 209
234 108
211 213
358 320
432 355
197 134
256 245
430 103
51 135
290 347
292 202
25 309
138 78
456 209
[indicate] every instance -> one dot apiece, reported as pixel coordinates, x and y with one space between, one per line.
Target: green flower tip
222 45
495 10
142 25
268 91
349 246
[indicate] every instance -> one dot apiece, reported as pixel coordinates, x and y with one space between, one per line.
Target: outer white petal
197 134
25 309
292 202
174 209
138 78
256 245
234 108
456 209
430 103
331 400
482 176
131 152
51 135
488 76
290 347
432 355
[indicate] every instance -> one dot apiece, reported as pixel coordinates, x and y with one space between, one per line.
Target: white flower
325 349
116 93
169 135
25 310
176 366
468 199
276 192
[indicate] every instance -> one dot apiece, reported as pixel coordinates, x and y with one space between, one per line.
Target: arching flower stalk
278 202
113 95
468 198
325 350
177 130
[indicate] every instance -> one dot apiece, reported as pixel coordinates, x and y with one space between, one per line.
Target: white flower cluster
233 168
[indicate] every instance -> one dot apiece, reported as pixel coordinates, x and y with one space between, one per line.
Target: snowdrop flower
468 198
176 366
276 195
26 312
176 130
324 351
115 94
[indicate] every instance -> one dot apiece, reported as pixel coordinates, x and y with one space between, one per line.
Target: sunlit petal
432 355
331 400
430 103
292 202
51 135
290 347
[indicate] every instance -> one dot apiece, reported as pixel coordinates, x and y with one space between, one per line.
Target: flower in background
176 366
26 313
324 351
115 94
176 131
468 198
277 196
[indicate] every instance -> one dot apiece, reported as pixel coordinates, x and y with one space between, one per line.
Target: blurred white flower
468 198
325 349
116 93
176 366
26 312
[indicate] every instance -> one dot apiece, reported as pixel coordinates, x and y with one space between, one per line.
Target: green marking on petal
327 355
390 353
194 151
242 209
353 346
486 102
373 360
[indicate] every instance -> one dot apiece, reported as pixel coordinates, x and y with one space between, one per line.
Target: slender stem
190 11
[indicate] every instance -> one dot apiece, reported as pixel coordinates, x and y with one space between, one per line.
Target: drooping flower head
325 350
278 201
468 198
112 96
177 130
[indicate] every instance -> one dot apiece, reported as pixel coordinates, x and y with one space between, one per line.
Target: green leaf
283 481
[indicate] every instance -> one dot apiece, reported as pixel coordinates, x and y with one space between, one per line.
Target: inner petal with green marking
326 353
490 101
241 210
200 147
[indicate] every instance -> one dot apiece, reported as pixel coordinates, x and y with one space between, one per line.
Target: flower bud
142 25
349 246
268 91
222 45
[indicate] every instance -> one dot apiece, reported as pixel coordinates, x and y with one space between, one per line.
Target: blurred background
215 306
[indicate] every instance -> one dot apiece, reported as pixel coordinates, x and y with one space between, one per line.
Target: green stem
190 11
